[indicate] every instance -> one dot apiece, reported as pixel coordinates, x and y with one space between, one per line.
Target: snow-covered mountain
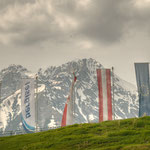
53 89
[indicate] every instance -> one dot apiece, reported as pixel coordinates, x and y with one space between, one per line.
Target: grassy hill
129 134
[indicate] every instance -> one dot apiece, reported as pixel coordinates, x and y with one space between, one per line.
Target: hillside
129 134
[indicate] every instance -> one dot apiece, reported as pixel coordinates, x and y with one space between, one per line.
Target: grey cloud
6 3
37 33
106 21
32 29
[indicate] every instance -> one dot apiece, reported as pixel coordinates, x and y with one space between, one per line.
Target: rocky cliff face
53 89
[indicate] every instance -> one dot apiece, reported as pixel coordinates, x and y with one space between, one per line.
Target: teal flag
143 84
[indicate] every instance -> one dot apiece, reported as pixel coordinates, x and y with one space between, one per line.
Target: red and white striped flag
67 118
104 89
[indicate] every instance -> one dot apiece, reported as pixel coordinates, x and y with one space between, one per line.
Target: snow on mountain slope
54 84
7 110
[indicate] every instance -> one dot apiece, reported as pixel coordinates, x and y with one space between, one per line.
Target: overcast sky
41 33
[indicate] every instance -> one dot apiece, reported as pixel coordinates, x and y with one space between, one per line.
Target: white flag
67 118
28 105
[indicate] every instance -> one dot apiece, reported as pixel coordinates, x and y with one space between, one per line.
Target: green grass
129 134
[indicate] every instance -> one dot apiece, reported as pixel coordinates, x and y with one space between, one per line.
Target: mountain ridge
55 83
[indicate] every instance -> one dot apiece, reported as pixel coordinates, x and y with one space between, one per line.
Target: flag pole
74 78
0 94
0 89
113 85
72 97
36 102
73 101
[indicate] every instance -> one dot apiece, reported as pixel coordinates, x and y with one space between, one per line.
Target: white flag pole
36 104
113 85
73 96
73 70
0 89
0 95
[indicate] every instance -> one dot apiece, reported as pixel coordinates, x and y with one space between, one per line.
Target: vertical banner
143 84
28 105
104 91
67 118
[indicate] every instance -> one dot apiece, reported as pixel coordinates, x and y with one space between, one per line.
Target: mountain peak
56 81
13 69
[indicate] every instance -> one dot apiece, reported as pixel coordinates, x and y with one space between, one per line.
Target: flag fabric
142 71
67 118
28 105
104 90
